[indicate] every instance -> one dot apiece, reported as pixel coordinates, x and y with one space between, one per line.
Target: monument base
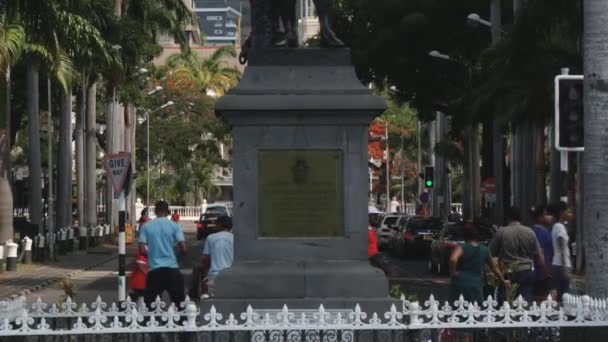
302 285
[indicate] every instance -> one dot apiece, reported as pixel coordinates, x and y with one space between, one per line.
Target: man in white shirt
395 205
561 264
218 251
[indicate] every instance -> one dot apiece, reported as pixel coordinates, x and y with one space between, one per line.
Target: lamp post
471 197
495 24
147 117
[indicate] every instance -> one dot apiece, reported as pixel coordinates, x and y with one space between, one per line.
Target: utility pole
419 158
595 172
497 129
402 176
388 174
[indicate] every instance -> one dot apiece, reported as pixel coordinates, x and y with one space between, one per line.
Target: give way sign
117 168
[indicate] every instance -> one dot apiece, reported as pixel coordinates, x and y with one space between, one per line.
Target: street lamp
147 116
474 20
437 54
155 90
386 151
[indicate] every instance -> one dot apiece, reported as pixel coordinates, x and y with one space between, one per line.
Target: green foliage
517 74
208 74
184 150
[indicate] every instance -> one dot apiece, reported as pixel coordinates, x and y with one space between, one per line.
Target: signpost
118 170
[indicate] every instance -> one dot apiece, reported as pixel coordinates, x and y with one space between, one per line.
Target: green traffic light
429 183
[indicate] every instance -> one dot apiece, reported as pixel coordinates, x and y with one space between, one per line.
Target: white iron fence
19 319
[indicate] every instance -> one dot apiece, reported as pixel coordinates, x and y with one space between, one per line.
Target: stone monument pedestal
299 119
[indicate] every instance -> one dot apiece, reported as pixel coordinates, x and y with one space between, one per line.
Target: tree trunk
541 185
34 162
118 8
596 146
6 195
91 157
64 163
79 133
131 128
475 172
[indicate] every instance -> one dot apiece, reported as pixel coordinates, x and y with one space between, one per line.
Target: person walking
516 246
161 240
542 230
175 216
218 252
139 272
467 264
561 264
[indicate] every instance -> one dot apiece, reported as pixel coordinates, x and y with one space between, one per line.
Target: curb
52 281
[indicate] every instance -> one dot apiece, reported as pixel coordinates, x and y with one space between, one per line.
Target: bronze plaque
300 193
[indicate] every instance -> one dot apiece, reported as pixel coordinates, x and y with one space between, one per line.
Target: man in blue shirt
218 251
159 239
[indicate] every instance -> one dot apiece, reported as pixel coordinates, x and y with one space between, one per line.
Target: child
139 272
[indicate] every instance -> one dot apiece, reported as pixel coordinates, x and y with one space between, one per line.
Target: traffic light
429 179
569 123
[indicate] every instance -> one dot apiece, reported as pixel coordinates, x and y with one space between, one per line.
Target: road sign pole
122 216
118 167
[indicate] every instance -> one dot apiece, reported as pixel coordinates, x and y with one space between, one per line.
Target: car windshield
216 210
390 221
421 223
455 233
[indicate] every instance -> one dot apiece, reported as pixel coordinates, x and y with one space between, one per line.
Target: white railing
410 208
190 213
18 319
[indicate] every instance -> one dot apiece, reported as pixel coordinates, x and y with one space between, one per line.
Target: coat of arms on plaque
300 172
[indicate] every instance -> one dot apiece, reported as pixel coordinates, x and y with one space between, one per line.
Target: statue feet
289 39
328 37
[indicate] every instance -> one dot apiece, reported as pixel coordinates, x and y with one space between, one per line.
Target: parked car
451 236
387 230
206 226
416 234
220 208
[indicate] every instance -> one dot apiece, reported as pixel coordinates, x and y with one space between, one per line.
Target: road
410 274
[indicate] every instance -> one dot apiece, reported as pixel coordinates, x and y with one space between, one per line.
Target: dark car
417 234
206 226
451 236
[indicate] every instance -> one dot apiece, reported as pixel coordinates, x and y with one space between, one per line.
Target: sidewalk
34 277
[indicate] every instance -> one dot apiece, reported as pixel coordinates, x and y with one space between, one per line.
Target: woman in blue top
467 264
542 230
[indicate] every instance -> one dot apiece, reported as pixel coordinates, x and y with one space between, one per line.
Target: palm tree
39 20
209 73
595 172
12 39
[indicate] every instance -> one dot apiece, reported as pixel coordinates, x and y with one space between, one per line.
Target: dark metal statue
273 24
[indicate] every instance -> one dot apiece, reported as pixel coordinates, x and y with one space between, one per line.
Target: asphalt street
411 275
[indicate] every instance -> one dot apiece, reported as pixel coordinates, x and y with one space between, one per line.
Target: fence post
11 255
27 248
1 258
71 239
82 238
40 247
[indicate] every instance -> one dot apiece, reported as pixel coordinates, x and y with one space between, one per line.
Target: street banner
117 167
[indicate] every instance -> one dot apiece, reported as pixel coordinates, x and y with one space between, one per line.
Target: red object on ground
372 242
138 278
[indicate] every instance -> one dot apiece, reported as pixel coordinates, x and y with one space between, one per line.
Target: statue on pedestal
268 17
